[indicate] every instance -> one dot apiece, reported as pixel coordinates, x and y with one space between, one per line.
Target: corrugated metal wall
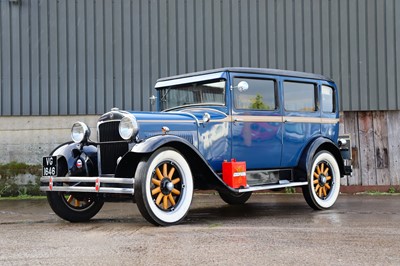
63 57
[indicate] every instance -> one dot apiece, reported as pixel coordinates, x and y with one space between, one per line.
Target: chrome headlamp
80 132
128 127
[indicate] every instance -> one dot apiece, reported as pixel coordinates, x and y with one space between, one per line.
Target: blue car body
212 117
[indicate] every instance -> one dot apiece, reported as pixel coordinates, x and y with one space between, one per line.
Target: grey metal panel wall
66 57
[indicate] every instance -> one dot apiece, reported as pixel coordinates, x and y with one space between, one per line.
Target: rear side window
260 95
328 99
299 97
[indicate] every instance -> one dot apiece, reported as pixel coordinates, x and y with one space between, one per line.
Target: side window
299 97
328 99
260 95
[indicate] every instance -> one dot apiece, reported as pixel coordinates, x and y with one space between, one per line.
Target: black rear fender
319 144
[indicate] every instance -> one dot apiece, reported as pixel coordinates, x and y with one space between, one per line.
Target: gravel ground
271 229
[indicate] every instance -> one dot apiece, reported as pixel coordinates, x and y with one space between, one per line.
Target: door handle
236 120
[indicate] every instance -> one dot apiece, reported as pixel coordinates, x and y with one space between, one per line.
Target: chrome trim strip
258 188
226 119
317 120
277 119
89 189
108 180
96 188
249 118
107 121
329 120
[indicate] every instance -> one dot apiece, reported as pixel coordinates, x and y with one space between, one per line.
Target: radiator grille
109 153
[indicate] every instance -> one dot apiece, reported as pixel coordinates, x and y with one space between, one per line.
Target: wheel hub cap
322 180
166 186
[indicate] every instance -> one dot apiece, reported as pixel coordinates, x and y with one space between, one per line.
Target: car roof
268 71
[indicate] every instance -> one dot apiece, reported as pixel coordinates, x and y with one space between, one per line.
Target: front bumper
88 184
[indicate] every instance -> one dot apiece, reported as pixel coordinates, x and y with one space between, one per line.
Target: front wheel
323 182
73 207
164 187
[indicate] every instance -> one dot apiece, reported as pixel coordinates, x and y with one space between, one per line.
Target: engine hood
211 138
184 122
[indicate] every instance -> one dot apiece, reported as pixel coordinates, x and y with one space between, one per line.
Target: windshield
209 92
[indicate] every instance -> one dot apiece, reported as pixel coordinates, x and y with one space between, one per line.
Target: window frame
195 84
333 100
316 95
276 93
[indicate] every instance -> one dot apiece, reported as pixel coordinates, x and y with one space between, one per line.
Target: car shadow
250 211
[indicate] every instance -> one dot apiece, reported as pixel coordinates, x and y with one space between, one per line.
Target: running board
96 184
273 186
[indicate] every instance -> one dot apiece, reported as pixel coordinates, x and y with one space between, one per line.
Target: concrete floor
271 229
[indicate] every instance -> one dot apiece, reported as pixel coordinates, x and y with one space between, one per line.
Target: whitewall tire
164 187
323 182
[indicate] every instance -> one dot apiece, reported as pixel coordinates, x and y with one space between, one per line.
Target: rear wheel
164 187
323 182
234 198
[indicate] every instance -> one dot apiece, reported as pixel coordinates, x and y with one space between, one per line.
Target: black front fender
153 143
69 153
127 165
204 176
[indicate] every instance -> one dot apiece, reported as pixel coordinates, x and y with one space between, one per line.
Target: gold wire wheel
166 188
322 180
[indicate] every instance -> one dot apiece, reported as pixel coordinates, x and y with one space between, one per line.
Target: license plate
50 166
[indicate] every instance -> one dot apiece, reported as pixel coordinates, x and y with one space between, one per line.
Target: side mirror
206 117
243 86
152 99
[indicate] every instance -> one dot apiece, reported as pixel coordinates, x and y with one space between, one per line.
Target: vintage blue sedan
233 130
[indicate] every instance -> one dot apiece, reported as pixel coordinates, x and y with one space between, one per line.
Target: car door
256 122
302 118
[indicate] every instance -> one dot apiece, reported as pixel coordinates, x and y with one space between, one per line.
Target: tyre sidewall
335 188
143 196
